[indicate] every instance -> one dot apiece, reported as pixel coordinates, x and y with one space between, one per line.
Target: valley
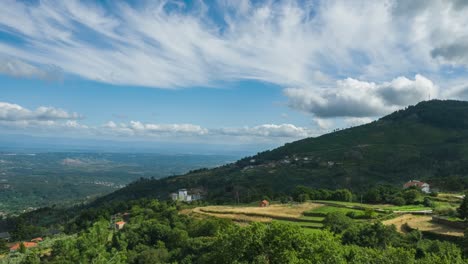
32 180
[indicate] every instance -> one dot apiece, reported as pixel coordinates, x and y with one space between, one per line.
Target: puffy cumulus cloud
267 130
354 98
12 112
44 119
137 128
171 132
51 120
453 53
438 28
323 123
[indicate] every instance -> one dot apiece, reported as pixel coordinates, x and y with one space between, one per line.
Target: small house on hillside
264 203
17 246
37 239
423 186
119 225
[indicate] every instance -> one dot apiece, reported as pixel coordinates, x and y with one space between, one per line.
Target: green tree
22 248
373 196
411 195
398 201
463 209
337 222
3 246
31 258
303 197
343 195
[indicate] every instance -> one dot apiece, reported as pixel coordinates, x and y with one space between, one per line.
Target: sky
227 72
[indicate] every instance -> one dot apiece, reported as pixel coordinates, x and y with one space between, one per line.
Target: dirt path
422 223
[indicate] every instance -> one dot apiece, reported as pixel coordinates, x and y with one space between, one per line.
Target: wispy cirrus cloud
316 47
17 68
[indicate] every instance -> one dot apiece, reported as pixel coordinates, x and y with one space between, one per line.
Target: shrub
398 201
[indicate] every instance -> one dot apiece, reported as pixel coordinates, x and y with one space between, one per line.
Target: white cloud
338 55
323 124
357 121
43 120
354 98
289 43
13 112
18 68
267 130
137 128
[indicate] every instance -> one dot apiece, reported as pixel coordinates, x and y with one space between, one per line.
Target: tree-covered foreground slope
428 141
156 232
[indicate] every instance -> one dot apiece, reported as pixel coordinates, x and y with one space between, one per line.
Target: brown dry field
261 214
275 210
234 217
422 223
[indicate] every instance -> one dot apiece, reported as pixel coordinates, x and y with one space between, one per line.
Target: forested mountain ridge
428 141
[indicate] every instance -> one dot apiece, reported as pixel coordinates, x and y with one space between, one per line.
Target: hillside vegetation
428 141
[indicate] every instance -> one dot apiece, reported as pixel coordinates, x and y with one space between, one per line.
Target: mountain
428 141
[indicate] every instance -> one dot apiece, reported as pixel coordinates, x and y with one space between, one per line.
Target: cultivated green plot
324 210
301 224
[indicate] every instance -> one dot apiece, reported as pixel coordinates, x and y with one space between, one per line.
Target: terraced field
286 213
325 209
422 223
310 215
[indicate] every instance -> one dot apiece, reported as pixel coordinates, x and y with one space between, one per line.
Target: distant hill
428 141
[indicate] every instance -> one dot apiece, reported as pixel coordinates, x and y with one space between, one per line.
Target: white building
423 186
184 196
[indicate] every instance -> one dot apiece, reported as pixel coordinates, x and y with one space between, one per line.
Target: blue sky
223 72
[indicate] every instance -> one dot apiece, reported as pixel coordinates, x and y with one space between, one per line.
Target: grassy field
317 219
302 224
408 208
324 210
350 204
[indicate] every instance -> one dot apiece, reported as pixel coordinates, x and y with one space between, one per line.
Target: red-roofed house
119 225
423 186
16 246
264 203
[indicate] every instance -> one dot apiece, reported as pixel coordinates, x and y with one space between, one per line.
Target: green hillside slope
428 141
